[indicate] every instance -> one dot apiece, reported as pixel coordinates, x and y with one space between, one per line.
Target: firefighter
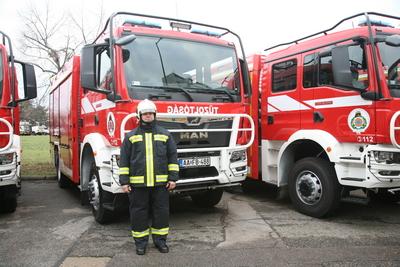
148 170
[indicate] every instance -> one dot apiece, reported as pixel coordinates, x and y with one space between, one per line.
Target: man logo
194 136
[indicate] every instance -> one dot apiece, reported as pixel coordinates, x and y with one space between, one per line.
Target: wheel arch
302 144
94 145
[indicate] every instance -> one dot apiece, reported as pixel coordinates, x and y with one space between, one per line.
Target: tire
63 181
207 199
313 187
97 196
10 202
250 186
384 195
8 199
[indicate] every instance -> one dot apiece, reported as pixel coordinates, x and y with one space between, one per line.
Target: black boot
140 251
163 248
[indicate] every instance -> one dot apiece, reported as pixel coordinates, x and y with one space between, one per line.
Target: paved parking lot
50 228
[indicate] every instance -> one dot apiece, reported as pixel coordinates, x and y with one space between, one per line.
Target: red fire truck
328 108
10 96
198 77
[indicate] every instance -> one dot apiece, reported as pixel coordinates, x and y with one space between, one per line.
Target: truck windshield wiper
167 88
216 91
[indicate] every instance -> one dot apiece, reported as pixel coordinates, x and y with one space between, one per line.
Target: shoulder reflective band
162 231
123 170
173 167
161 137
141 234
136 179
136 138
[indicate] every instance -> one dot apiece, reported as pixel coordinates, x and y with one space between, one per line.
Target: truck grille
200 139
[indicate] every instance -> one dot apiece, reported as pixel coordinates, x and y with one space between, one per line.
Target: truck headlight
387 157
7 158
238 155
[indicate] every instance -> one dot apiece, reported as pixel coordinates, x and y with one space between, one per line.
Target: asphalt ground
51 228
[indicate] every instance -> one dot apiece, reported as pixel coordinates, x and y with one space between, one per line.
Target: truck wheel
313 187
62 180
97 196
9 203
207 199
385 196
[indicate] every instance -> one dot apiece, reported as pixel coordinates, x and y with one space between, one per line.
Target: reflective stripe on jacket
148 158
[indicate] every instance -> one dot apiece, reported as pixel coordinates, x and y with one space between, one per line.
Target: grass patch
36 159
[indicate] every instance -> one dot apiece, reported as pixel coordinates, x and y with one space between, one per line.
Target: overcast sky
259 23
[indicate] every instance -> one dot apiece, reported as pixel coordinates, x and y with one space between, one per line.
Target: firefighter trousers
149 204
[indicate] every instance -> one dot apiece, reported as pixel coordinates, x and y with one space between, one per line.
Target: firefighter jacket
148 158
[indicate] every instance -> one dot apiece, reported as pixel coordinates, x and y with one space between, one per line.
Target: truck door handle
318 116
270 119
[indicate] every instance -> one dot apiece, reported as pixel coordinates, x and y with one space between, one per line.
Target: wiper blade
217 91
186 92
167 88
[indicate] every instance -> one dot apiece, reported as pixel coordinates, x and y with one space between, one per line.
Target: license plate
194 162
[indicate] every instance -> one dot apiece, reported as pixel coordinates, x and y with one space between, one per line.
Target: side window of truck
284 76
1 74
357 67
325 73
310 71
104 70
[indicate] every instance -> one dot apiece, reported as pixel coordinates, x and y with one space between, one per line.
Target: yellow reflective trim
173 167
149 159
124 170
141 234
161 137
136 138
136 179
161 178
162 231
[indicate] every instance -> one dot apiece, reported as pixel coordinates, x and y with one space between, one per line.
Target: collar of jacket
147 127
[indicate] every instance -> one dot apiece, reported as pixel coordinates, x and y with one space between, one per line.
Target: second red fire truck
10 142
195 73
328 112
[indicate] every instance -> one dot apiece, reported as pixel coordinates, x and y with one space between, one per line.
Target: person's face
148 117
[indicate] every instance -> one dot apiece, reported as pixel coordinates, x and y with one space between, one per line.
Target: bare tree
50 39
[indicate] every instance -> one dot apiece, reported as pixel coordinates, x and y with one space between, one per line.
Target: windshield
179 70
390 56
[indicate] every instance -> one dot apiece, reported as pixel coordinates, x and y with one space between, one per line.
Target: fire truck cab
14 75
328 107
197 76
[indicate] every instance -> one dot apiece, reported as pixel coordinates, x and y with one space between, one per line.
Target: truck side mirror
30 88
89 67
27 78
125 40
341 67
393 40
246 77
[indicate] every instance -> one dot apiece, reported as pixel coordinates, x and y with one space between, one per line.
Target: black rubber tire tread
331 189
384 195
207 199
8 202
62 180
101 215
